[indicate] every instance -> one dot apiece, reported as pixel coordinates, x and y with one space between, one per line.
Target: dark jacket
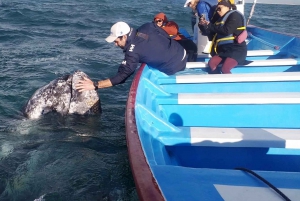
233 50
190 48
151 45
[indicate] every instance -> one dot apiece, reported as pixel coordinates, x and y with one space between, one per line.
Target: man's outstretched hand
85 85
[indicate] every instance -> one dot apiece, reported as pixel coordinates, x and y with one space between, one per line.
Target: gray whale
61 96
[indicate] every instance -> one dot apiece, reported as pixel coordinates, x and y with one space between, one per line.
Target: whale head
61 96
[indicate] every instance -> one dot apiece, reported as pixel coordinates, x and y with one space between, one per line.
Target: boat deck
237 120
219 184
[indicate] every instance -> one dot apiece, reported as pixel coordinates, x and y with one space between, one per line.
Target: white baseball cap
117 30
187 3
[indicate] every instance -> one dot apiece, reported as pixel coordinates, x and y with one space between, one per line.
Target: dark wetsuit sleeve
231 24
127 68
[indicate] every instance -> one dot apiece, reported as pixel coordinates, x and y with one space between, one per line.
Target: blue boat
198 136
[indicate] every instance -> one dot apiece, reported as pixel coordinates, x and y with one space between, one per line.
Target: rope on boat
252 11
276 47
265 181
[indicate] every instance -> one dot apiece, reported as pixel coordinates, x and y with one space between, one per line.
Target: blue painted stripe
280 151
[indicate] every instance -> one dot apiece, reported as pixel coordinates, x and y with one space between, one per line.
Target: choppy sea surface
72 157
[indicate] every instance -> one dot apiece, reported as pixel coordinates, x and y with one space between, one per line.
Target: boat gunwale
141 171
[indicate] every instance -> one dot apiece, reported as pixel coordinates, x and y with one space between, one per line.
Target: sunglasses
158 21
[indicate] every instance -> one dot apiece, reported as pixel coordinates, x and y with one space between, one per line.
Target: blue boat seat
230 83
250 53
230 98
268 62
234 137
252 109
262 52
243 77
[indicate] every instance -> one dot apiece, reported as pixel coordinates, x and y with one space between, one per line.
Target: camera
202 17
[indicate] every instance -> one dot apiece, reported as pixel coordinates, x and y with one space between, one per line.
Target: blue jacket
150 44
206 8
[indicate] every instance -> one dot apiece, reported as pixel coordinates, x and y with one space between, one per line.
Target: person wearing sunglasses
148 44
229 33
160 19
172 30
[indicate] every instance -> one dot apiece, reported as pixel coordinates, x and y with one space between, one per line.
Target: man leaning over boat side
148 44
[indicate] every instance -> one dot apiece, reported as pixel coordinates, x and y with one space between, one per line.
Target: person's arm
203 26
87 84
231 24
126 69
203 10
203 14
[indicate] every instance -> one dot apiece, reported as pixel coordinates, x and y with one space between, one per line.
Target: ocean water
72 157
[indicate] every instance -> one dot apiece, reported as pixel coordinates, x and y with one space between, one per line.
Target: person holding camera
205 10
229 34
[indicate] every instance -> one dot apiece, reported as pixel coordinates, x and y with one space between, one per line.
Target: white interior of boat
269 62
246 77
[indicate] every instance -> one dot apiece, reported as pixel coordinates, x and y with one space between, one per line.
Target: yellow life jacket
220 39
